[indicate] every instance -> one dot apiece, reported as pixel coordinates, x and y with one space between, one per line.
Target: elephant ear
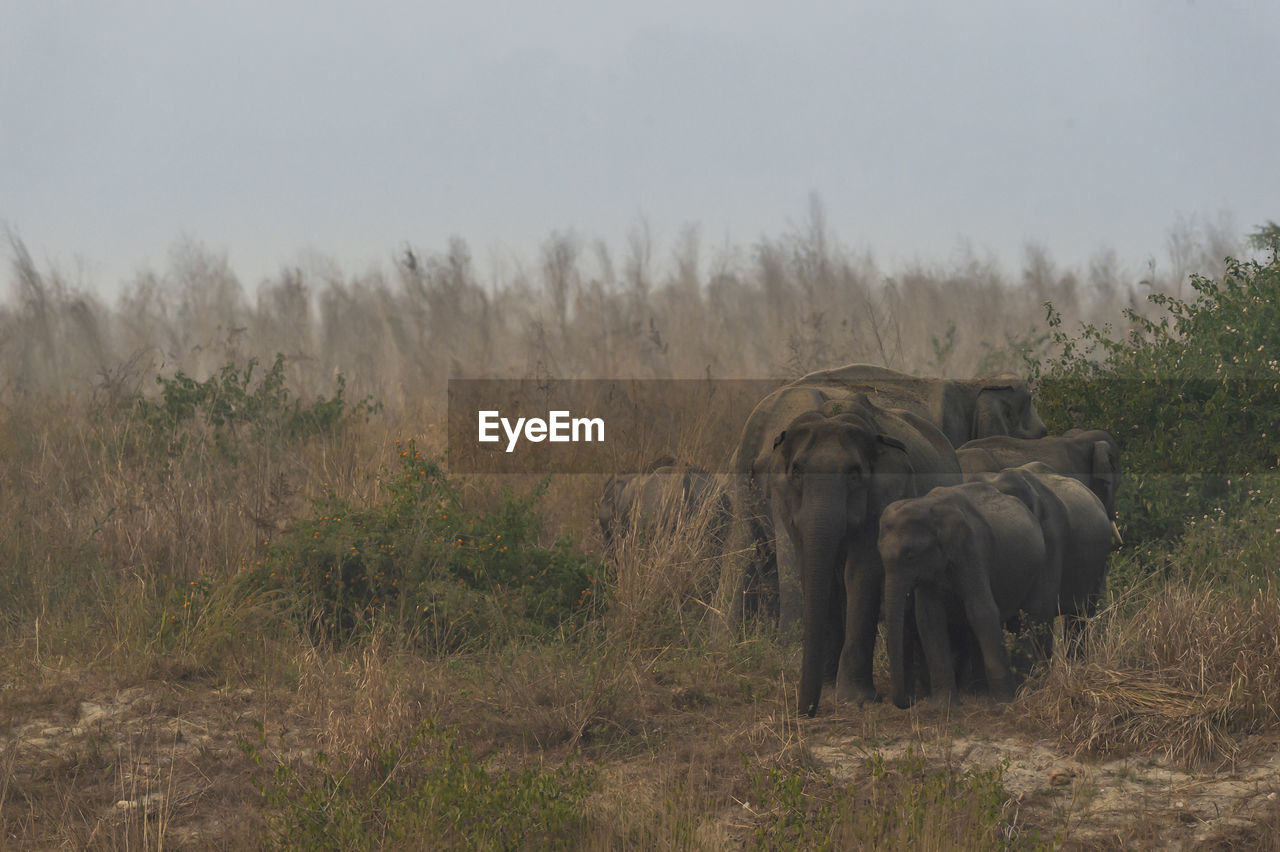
956 537
891 441
1106 470
990 417
894 474
768 465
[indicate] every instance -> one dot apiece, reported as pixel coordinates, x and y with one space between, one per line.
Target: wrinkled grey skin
970 554
1090 456
1077 535
962 409
651 500
820 481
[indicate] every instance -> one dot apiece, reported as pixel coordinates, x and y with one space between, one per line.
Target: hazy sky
265 130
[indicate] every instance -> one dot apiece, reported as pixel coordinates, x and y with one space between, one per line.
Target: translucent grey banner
596 425
624 425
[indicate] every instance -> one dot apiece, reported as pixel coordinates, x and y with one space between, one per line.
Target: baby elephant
1077 536
654 499
1090 456
970 554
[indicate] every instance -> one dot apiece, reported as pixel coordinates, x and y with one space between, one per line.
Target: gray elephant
819 478
1090 456
1077 533
962 409
653 499
970 555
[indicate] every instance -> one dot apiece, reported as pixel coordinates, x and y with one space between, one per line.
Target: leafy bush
427 791
450 574
233 410
1193 397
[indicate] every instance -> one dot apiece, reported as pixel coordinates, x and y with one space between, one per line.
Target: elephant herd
941 505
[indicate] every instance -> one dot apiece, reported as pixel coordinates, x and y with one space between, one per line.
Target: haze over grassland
780 307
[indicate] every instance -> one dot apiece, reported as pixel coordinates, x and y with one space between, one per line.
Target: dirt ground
1138 801
87 764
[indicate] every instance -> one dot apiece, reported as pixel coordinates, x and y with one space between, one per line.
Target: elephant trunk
895 605
821 537
987 421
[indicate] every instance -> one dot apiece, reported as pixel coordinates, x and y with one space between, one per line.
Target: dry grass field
176 669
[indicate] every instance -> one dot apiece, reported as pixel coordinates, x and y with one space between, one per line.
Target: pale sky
267 130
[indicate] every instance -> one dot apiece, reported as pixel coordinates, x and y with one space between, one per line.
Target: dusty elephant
818 478
970 555
963 409
1090 456
1077 534
656 498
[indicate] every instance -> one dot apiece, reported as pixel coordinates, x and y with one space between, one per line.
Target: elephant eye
796 471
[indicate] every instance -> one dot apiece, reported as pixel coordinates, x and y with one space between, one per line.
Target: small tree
1193 397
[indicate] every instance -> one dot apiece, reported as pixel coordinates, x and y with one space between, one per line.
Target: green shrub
428 791
1237 550
1193 397
449 573
232 410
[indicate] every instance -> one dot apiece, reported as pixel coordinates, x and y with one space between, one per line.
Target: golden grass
1185 671
108 539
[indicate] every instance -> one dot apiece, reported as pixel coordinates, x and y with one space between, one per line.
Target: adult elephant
970 555
1090 456
655 498
962 409
817 472
1077 535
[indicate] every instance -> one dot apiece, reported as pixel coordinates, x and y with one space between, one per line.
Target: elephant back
928 398
962 409
932 457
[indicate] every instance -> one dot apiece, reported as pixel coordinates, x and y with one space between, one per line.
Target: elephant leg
931 622
1075 621
966 659
914 654
759 586
1074 628
1081 623
984 619
864 579
1042 610
1040 637
1020 659
835 638
790 595
740 572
